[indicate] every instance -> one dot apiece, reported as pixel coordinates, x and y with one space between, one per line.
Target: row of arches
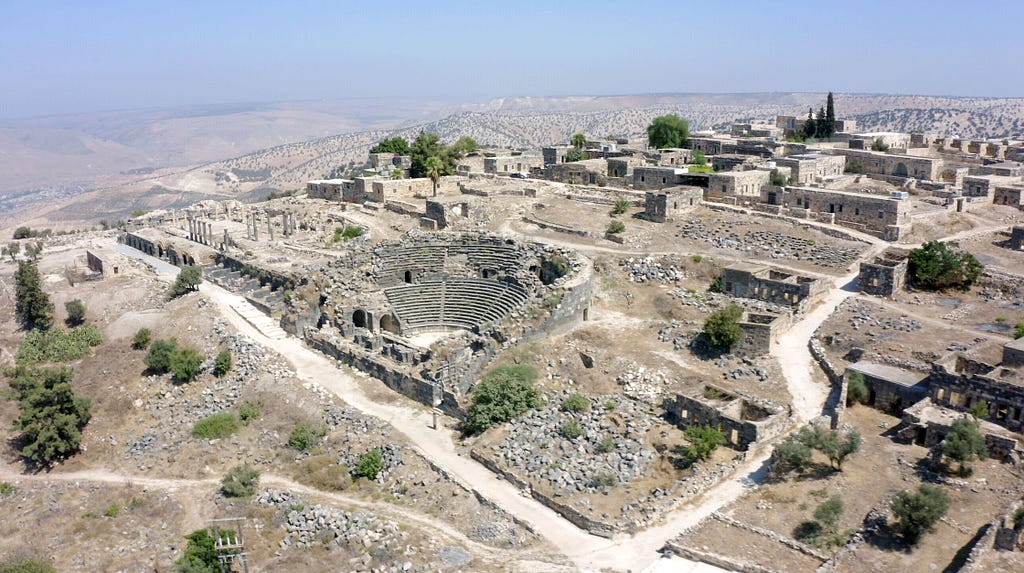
386 323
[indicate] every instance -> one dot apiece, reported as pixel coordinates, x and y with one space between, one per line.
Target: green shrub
856 389
934 266
27 565
158 359
352 233
216 426
7 488
504 393
76 312
223 363
717 285
51 415
607 445
369 465
572 430
188 281
249 411
918 512
616 227
186 363
324 472
723 326
602 480
697 258
200 554
703 441
306 435
112 510
58 345
241 481
609 405
576 403
621 206
1018 330
141 339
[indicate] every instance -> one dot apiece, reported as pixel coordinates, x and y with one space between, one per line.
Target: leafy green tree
819 123
504 393
829 512
425 146
12 249
791 454
838 447
703 441
579 141
369 465
34 249
879 145
23 232
200 554
723 326
464 146
27 565
396 145
574 155
158 359
856 389
32 305
810 126
52 415
240 481
668 131
964 443
918 512
188 281
76 312
698 158
186 363
435 169
141 339
934 266
223 364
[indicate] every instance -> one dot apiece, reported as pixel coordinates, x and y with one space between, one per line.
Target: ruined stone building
588 171
889 388
810 167
960 382
513 164
879 215
759 282
744 420
670 203
884 275
879 163
746 185
896 141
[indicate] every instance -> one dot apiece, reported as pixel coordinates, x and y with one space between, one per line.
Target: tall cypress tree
33 308
830 116
819 123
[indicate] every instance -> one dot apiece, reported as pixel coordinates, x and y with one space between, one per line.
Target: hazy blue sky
58 57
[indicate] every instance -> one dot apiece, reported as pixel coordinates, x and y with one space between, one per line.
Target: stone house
743 420
879 163
588 171
885 275
896 141
746 184
759 282
383 189
760 331
889 388
506 165
960 382
810 167
654 178
554 154
623 166
673 157
878 215
712 145
671 202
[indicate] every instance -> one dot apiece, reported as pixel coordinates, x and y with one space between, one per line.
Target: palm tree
579 141
435 169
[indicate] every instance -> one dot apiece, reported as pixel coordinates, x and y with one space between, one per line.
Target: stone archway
359 318
390 324
901 170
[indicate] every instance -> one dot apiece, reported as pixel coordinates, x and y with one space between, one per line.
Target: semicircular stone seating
451 303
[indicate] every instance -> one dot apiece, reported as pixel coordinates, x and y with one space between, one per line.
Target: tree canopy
427 145
579 141
935 266
52 415
918 512
435 169
504 393
703 441
396 145
33 307
668 131
188 281
964 443
723 326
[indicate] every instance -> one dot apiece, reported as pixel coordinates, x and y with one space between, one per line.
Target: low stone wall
403 208
573 516
836 401
716 560
791 543
983 543
830 231
533 219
